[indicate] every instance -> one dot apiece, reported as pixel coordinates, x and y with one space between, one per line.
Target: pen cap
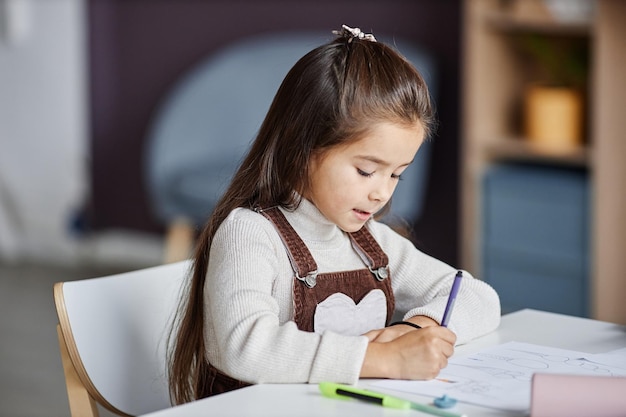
329 389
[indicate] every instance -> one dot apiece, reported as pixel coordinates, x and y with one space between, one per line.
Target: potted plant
554 103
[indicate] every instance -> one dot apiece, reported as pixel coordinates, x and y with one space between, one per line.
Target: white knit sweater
249 332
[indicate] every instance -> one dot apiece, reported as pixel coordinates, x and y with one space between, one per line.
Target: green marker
339 391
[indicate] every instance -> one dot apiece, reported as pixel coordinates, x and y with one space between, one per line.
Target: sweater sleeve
422 285
247 333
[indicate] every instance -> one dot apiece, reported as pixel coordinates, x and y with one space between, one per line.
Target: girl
294 281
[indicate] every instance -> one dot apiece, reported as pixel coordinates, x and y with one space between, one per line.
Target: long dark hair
331 96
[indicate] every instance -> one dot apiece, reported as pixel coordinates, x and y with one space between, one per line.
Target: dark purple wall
138 48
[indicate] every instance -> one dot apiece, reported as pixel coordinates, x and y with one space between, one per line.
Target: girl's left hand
390 333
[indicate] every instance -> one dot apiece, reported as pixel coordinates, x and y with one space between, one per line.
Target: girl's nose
383 191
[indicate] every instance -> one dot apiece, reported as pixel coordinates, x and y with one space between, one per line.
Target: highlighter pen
452 298
339 391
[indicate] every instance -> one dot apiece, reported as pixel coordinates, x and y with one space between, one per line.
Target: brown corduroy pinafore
311 288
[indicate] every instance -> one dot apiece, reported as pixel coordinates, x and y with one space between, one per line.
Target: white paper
500 376
615 358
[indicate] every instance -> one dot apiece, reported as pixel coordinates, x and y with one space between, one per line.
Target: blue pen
452 298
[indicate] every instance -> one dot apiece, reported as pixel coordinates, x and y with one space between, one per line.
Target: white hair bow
354 33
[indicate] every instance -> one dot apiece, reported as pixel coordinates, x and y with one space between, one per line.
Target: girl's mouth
362 215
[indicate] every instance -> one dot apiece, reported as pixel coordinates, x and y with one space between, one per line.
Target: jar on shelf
553 117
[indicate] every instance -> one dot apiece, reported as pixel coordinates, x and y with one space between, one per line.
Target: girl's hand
388 334
392 332
416 354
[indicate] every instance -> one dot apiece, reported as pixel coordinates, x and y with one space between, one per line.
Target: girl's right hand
419 354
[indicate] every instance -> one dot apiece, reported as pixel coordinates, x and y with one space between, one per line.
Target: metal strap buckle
380 273
309 280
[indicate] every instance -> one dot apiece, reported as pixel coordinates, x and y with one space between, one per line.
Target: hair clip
352 33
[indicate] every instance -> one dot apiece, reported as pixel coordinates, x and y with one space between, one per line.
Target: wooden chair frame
113 335
82 395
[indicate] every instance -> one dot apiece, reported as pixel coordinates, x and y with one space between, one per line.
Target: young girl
294 281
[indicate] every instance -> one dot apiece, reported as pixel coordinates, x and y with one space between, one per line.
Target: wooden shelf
506 23
495 75
520 149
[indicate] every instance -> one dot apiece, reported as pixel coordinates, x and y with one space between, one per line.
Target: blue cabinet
536 237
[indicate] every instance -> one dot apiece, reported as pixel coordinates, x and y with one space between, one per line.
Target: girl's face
350 183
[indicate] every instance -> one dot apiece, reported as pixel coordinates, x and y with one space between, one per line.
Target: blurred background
82 82
84 85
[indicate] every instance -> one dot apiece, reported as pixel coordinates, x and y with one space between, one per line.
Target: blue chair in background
205 124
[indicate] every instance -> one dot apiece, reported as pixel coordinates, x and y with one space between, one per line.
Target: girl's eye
363 173
369 174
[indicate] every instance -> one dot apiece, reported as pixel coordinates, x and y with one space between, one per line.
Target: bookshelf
494 78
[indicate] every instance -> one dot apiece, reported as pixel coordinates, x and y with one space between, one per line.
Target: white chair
112 335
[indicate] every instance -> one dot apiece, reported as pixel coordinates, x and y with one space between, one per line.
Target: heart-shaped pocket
339 313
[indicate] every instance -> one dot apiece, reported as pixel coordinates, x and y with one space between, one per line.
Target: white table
530 326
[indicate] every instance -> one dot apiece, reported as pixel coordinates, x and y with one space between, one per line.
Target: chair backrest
112 335
206 122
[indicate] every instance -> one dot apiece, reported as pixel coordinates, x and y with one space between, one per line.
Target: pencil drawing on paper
500 376
578 362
